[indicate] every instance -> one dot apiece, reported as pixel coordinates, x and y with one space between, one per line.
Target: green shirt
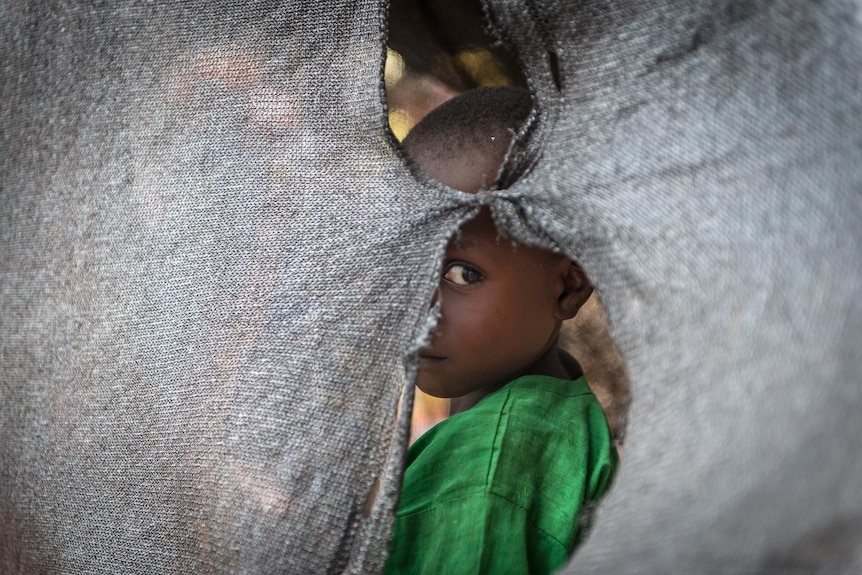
500 488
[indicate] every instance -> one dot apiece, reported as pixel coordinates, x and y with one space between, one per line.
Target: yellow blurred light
393 69
400 122
483 67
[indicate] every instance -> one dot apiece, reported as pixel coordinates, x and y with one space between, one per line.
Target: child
505 485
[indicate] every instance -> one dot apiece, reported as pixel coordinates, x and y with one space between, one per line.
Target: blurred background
438 49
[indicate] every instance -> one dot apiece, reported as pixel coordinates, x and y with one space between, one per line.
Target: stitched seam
527 517
441 503
498 439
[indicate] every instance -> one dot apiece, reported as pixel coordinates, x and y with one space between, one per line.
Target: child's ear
576 290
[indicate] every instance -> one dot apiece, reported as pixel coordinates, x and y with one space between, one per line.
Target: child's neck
554 362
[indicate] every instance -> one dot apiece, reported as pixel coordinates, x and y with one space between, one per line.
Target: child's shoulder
533 400
539 385
554 450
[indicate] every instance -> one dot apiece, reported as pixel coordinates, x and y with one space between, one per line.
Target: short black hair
481 121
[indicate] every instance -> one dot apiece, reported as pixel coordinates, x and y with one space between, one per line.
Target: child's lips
426 360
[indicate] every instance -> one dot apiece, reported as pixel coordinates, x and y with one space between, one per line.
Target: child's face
499 306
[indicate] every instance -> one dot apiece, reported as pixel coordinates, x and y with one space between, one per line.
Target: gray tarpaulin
215 268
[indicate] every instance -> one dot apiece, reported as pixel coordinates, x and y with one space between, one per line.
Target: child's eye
462 275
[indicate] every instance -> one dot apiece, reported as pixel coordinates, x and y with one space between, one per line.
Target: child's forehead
475 245
481 234
478 230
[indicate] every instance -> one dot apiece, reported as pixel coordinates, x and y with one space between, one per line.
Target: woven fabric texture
216 266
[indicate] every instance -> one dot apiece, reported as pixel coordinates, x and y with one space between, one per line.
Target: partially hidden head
501 303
